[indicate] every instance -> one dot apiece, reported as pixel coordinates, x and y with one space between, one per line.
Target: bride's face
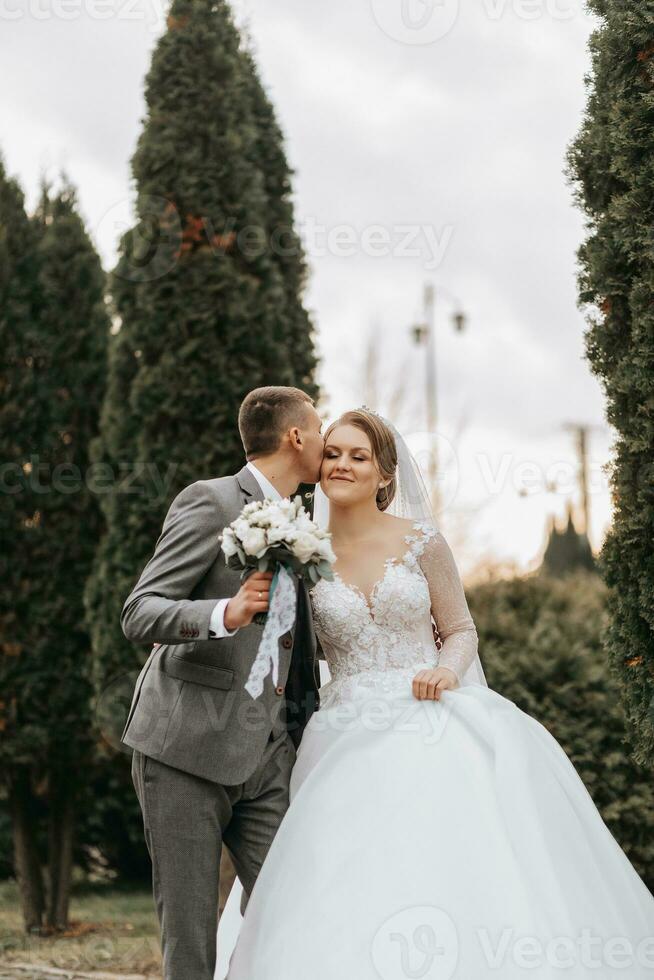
349 473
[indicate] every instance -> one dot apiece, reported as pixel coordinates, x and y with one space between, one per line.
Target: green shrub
540 640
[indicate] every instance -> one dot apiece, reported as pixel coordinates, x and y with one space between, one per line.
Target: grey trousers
186 819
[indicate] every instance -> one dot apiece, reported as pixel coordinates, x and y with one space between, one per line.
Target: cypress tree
286 247
21 419
205 306
53 335
611 164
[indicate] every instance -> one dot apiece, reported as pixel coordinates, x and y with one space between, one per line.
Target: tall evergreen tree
612 165
21 420
206 307
286 247
53 336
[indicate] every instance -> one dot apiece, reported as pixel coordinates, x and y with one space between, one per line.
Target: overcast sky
428 140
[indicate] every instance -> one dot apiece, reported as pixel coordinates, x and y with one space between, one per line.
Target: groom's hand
251 598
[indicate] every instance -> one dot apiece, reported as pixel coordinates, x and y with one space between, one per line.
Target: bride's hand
428 684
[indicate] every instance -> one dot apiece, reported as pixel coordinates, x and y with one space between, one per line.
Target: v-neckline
393 560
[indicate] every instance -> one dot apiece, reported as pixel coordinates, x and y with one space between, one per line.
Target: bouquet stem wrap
280 619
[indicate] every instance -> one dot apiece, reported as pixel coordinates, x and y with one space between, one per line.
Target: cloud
468 134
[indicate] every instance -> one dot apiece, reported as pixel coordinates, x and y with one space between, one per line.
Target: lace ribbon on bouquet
280 619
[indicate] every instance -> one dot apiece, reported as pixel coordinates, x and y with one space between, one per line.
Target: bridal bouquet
277 536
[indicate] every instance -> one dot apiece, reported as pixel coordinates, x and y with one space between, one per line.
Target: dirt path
37 971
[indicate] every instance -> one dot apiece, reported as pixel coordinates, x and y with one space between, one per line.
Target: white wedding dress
432 839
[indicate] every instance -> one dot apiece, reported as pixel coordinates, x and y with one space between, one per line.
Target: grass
112 929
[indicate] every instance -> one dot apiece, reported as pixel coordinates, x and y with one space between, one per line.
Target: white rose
241 528
304 546
229 542
284 510
267 517
325 551
276 518
277 534
254 542
304 523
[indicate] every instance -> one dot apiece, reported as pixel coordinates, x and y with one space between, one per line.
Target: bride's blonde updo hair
384 449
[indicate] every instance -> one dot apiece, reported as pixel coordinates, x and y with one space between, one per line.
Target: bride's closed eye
333 455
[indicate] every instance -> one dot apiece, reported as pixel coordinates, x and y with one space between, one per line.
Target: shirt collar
266 486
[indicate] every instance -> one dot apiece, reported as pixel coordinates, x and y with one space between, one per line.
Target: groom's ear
294 436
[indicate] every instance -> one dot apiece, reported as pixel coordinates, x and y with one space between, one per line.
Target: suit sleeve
449 606
159 610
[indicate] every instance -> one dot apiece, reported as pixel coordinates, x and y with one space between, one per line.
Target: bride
435 829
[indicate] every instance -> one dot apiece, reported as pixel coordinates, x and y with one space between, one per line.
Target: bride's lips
343 479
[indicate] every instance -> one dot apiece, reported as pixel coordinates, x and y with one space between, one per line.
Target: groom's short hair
266 413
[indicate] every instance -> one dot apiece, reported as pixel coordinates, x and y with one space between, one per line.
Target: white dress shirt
217 628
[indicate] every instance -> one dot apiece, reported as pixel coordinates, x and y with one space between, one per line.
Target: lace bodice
383 643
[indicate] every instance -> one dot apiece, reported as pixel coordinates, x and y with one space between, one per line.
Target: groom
210 763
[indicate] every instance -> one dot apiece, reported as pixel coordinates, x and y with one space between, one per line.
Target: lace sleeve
449 606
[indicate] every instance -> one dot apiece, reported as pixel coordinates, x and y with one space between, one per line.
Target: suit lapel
249 485
251 490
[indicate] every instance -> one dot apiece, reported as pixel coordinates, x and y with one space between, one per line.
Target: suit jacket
190 709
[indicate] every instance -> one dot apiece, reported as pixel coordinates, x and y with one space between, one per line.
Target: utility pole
582 433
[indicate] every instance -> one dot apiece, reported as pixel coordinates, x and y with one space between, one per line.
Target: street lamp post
425 333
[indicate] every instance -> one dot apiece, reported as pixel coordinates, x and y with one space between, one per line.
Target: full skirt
438 839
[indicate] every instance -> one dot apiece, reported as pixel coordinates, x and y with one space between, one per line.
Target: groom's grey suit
210 763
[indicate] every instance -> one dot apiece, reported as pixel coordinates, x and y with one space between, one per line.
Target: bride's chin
335 492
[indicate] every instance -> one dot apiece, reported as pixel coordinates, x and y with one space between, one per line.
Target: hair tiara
371 411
